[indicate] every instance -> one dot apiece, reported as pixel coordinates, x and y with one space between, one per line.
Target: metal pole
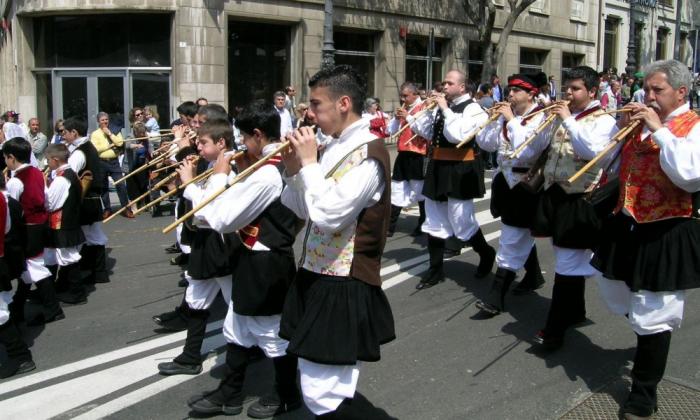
695 51
677 35
631 66
429 72
328 50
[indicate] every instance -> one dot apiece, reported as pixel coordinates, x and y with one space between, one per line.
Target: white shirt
395 123
680 156
329 205
8 219
243 202
285 121
57 193
76 160
590 139
14 186
458 126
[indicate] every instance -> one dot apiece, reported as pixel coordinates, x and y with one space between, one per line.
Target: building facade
60 58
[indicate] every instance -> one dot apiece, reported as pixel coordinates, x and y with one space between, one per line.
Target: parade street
100 362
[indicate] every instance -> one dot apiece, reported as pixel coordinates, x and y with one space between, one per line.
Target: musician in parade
262 266
336 314
580 132
513 123
647 256
454 177
407 175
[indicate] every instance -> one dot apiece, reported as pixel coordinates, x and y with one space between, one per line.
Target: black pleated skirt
659 256
65 238
90 209
516 207
568 219
15 259
454 179
335 320
209 257
5 279
261 280
408 166
37 236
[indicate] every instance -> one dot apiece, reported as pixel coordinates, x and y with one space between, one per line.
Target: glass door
84 94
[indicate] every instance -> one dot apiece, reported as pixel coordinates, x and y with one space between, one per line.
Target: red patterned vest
416 145
646 192
33 198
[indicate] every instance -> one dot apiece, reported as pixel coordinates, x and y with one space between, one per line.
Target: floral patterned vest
562 161
416 145
356 250
646 192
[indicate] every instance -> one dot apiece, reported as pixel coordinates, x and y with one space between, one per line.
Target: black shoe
487 309
548 342
526 287
69 300
270 406
14 367
207 404
180 259
41 319
431 280
449 253
173 249
183 283
175 368
175 324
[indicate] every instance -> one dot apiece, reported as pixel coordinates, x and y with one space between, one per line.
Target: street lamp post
328 50
631 62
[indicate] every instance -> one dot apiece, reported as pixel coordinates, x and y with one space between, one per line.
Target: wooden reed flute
164 181
150 164
549 120
419 114
617 138
476 132
240 177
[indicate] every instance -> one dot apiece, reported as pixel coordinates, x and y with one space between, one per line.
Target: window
531 60
357 50
569 61
475 62
682 46
610 42
417 59
44 90
540 6
579 11
661 43
139 40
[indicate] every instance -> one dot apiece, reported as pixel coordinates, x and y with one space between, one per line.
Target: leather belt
453 154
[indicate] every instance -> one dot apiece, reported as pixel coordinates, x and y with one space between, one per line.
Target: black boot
533 278
421 218
61 283
436 247
19 358
101 275
487 255
649 367
51 310
18 301
286 396
228 397
567 308
189 362
174 320
393 220
497 297
75 290
453 247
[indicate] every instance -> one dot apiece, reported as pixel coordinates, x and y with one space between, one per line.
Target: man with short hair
285 116
647 253
38 141
108 147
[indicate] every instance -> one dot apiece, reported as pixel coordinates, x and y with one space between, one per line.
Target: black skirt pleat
261 280
516 207
454 179
408 166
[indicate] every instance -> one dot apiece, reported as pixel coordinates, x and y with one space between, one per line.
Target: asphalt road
100 362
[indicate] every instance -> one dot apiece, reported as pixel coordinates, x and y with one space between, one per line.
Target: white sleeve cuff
662 135
311 175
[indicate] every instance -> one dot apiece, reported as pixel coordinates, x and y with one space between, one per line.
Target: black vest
15 240
439 139
94 165
70 217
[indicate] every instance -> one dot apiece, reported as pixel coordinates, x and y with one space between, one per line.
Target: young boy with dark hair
19 358
263 268
208 271
63 197
336 314
27 187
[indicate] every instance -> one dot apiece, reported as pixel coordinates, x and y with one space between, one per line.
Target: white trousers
573 262
94 235
186 249
406 193
452 217
261 331
62 256
200 294
36 270
5 300
514 247
326 386
647 312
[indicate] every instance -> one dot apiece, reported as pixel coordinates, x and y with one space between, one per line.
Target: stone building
77 57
